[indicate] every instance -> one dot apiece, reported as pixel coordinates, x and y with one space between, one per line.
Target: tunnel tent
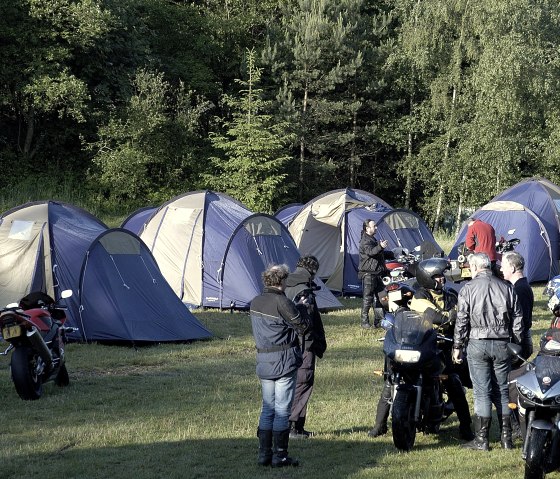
319 229
515 220
42 247
124 297
212 249
287 213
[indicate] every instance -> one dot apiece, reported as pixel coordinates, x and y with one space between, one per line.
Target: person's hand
384 243
457 356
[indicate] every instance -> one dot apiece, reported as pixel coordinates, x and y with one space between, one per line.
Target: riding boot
265 447
506 437
382 414
364 316
280 456
297 430
482 429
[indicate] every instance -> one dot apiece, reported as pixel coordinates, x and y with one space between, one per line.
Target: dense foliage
434 105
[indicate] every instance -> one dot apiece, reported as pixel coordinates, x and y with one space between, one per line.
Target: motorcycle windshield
547 370
410 328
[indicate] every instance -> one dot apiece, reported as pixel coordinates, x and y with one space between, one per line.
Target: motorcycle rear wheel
403 424
28 383
535 464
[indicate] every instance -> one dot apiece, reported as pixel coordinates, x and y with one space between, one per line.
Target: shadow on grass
211 458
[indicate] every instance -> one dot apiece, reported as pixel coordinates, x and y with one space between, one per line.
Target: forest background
432 105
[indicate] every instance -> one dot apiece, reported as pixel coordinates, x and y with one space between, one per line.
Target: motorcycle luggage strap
282 347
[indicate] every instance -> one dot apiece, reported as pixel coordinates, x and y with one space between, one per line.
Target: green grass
191 411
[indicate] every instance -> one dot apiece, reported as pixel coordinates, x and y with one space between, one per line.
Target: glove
457 356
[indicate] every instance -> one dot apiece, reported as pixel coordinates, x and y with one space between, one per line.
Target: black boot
280 456
297 430
265 447
382 414
482 428
506 437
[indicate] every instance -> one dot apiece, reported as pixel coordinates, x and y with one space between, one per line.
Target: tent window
21 230
263 226
402 221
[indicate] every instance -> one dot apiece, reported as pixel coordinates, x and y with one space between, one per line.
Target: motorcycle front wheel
537 454
403 424
27 382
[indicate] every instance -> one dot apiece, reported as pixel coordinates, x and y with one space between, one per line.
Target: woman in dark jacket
276 323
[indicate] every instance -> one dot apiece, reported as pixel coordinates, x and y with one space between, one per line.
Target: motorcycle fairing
544 379
411 331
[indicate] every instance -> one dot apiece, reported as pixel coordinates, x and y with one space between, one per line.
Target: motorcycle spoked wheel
28 384
537 454
62 378
403 423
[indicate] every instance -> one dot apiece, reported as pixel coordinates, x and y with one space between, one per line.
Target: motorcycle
539 407
401 266
411 349
462 263
37 335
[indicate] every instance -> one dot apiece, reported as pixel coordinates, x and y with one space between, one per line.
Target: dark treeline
433 105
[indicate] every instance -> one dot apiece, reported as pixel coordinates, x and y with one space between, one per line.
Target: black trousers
371 285
304 386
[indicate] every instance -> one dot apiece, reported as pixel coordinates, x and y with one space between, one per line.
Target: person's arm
371 248
297 318
470 240
461 331
516 318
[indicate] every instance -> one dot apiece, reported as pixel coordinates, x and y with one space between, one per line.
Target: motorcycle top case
411 332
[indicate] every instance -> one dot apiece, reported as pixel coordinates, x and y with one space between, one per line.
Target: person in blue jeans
277 324
489 315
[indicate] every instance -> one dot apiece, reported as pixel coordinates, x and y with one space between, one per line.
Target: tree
254 146
149 151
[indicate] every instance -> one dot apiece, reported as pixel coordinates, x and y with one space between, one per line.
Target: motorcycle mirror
417 248
66 293
511 231
12 305
515 349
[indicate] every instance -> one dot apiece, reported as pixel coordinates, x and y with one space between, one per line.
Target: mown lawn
191 411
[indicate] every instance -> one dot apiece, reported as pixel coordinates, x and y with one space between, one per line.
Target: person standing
488 317
371 270
481 238
276 324
300 286
512 269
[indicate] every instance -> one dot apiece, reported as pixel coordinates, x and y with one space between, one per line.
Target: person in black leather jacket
488 317
276 323
300 286
371 269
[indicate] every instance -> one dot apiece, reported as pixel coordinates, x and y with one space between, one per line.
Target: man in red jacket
481 238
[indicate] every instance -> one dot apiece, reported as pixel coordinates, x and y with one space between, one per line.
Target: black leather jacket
372 259
488 308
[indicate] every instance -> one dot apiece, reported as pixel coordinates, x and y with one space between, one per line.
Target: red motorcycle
37 335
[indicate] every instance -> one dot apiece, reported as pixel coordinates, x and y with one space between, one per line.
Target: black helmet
427 269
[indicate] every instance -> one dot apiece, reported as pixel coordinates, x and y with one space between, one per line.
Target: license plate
395 295
11 331
466 273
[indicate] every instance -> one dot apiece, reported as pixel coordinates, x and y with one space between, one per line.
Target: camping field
191 411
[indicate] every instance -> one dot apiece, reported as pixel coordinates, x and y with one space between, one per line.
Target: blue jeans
277 397
489 364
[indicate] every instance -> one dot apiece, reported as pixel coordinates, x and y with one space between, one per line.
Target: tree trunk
353 155
30 119
302 145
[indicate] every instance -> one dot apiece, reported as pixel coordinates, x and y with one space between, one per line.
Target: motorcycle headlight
407 356
527 392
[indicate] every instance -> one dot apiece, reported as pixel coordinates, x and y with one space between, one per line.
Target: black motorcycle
411 348
539 406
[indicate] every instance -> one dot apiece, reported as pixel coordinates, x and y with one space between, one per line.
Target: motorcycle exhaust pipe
40 346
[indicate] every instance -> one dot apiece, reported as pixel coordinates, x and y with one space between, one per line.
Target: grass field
191 411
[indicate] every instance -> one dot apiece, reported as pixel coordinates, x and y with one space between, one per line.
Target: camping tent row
119 292
529 211
213 250
330 227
